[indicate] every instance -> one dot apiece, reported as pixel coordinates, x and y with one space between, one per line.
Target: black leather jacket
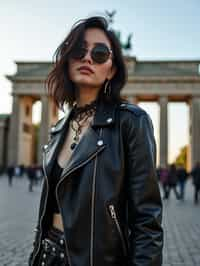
108 193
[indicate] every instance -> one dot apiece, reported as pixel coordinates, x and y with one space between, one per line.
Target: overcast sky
32 30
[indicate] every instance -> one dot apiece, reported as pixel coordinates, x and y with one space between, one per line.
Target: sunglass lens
78 52
100 53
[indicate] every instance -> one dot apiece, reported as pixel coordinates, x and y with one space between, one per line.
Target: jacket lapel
57 134
91 143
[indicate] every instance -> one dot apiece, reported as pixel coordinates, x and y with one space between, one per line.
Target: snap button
109 120
61 241
53 129
54 249
100 142
35 229
46 246
62 255
43 263
45 147
122 104
44 255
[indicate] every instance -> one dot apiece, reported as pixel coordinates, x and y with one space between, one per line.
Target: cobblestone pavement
181 223
18 214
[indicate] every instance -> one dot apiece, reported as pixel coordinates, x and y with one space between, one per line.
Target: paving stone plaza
18 212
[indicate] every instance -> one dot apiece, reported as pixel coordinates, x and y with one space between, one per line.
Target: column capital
132 99
163 99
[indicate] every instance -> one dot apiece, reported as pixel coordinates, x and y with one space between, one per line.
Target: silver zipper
45 174
93 208
92 213
67 249
93 155
114 216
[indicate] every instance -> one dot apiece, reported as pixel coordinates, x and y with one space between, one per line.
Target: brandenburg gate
158 81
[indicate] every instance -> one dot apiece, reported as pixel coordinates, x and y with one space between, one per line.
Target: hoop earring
107 88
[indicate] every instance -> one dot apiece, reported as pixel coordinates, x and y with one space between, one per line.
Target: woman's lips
85 69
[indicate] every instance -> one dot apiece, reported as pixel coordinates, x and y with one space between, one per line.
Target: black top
55 177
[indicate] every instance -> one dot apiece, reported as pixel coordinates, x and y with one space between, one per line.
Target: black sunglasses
100 53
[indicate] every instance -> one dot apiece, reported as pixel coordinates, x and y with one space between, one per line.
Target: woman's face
99 72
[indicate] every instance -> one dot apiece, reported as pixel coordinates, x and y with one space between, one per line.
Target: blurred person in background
196 181
10 172
164 174
172 181
182 178
31 173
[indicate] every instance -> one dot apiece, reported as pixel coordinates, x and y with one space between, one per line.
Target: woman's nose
87 57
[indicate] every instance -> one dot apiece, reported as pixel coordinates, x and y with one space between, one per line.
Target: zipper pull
112 211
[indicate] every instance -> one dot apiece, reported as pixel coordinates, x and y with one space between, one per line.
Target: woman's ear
112 72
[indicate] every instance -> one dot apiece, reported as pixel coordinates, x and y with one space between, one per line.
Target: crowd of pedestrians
34 173
172 178
175 178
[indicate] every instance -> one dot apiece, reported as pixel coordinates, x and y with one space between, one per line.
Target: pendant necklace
79 120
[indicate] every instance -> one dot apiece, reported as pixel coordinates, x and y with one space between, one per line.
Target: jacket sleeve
144 201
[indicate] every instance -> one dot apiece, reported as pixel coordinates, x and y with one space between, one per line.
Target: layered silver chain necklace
80 119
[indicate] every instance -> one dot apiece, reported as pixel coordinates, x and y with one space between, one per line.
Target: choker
80 111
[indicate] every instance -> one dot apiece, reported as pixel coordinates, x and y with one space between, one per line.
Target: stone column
163 101
3 141
26 147
2 125
195 130
14 132
48 118
44 126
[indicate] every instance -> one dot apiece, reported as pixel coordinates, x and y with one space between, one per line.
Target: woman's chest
72 138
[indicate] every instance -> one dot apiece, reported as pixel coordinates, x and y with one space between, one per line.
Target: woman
100 203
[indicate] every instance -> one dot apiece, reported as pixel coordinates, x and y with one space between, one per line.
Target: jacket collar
105 115
89 144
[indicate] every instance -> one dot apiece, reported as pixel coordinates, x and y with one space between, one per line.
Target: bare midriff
57 221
